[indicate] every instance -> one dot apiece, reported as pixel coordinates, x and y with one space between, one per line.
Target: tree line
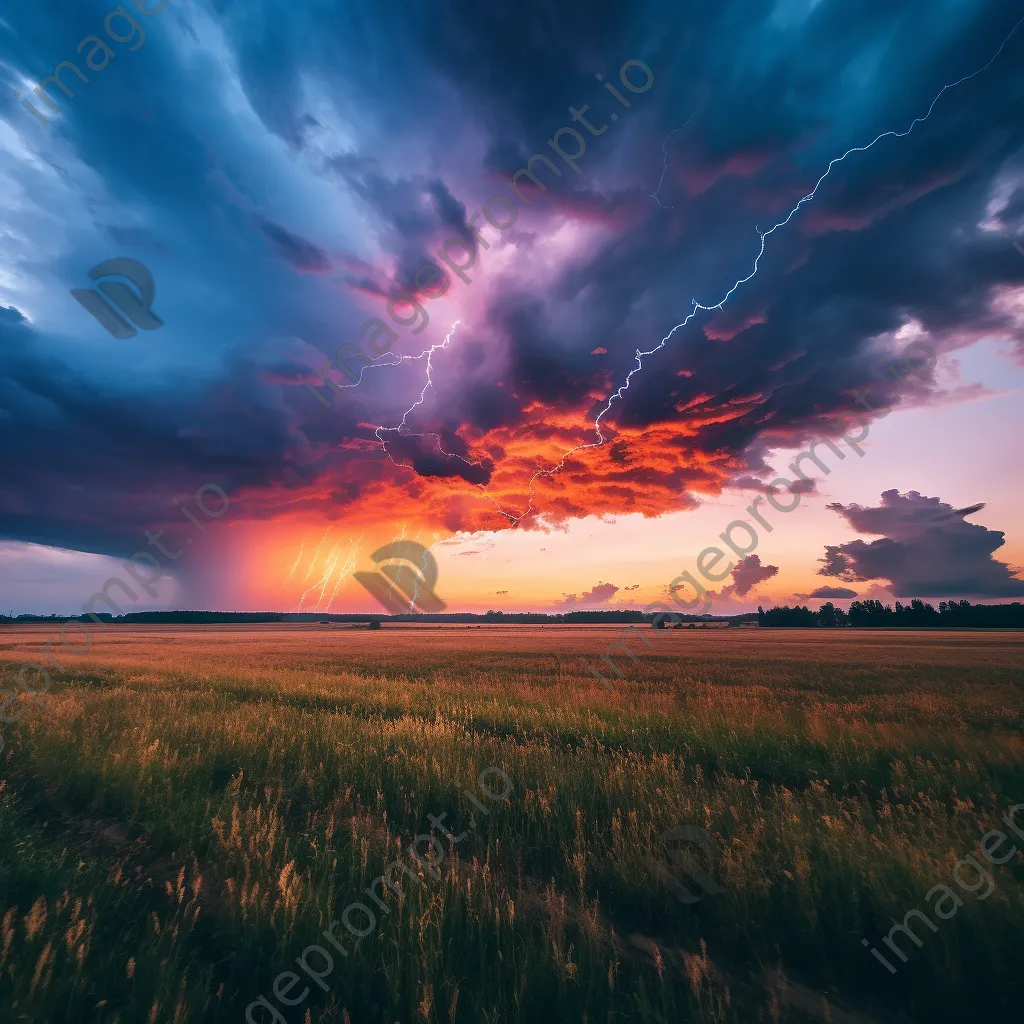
917 613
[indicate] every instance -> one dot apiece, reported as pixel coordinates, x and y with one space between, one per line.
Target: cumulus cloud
748 572
926 548
829 593
598 595
735 597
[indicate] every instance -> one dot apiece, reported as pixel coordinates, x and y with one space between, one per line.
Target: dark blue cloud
278 166
302 254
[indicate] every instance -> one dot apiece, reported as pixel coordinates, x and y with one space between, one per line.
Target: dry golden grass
193 805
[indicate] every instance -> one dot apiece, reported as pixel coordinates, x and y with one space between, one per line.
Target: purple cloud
749 572
926 549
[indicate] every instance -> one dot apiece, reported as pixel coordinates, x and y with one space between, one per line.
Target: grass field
194 806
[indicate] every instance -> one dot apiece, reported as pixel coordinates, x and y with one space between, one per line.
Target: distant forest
873 613
862 613
242 617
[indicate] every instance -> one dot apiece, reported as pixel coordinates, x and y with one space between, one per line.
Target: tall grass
193 808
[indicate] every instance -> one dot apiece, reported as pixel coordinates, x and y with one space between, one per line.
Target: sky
774 202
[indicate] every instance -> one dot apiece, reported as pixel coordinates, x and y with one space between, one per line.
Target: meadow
193 806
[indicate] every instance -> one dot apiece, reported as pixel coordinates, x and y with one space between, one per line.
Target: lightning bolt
316 554
696 306
429 384
423 568
321 583
347 568
391 561
331 566
298 558
664 166
701 307
397 361
420 575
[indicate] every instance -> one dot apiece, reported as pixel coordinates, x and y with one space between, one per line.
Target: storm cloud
280 167
926 548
